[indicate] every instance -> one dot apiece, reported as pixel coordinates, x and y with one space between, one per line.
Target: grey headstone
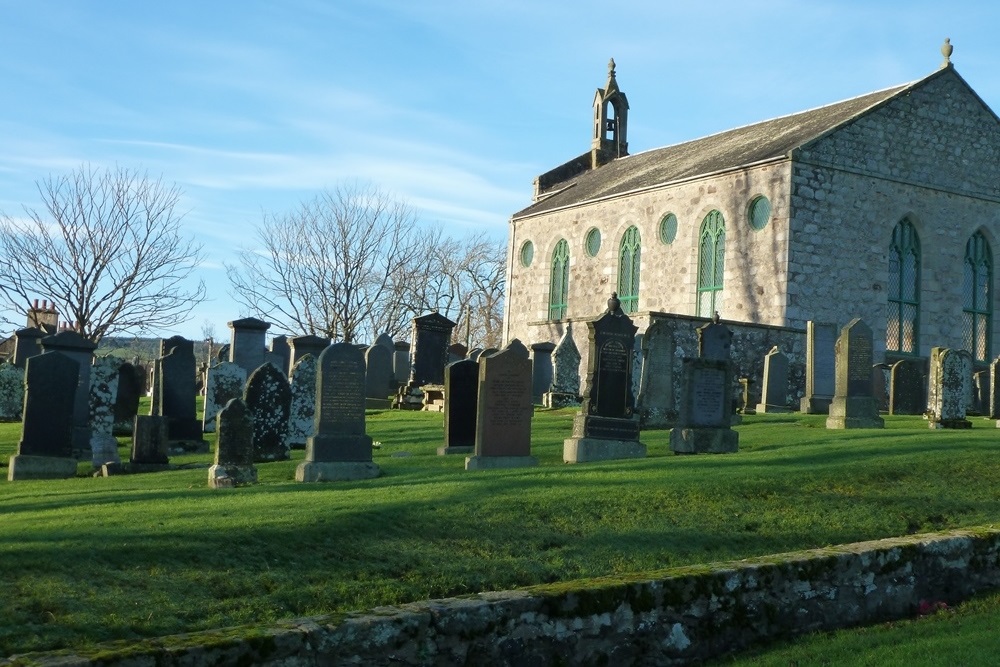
177 391
103 391
27 344
946 389
981 390
80 350
504 410
565 388
385 340
656 405
541 369
967 388
774 389
995 389
303 406
225 382
456 351
401 362
303 345
379 379
234 451
246 344
853 404
820 368
11 392
906 389
150 440
281 354
714 341
268 397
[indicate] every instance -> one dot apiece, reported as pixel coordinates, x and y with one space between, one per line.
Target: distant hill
146 349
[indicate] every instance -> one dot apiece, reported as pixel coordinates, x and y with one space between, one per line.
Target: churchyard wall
680 616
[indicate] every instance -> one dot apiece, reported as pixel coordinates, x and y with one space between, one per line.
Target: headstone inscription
27 344
461 387
946 390
234 452
565 388
704 419
906 389
268 398
246 343
103 391
504 410
657 408
177 391
80 350
429 355
45 450
11 392
225 382
303 406
853 404
127 398
150 443
607 427
820 368
541 369
339 448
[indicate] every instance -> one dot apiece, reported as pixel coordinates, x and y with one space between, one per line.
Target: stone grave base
335 471
766 409
584 450
557 400
188 446
26 466
408 398
953 423
704 441
433 400
857 412
495 462
377 404
815 405
104 449
227 477
465 449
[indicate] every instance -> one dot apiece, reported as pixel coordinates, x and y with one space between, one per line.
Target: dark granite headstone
541 370
456 351
656 405
853 405
401 362
234 453
80 350
281 354
429 349
177 389
268 398
880 385
222 354
906 389
461 386
379 380
27 344
246 344
385 340
303 345
504 410
150 441
127 398
46 450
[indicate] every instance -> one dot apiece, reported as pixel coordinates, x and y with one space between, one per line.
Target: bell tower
610 140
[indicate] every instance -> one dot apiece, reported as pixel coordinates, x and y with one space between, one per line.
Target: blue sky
452 105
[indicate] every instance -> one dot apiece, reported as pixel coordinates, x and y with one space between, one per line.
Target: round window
527 253
593 241
668 228
760 212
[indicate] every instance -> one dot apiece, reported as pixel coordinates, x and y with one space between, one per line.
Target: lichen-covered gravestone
946 389
504 411
655 402
225 382
11 392
46 447
303 406
268 397
103 390
234 452
854 404
565 388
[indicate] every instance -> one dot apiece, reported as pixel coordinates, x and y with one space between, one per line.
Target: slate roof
770 139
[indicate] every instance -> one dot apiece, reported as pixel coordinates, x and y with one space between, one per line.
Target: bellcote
610 139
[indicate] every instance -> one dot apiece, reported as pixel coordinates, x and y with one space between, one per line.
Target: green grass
89 560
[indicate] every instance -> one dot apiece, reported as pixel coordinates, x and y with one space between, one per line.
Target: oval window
760 212
593 242
527 253
668 228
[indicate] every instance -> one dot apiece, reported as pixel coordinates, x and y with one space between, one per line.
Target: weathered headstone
474 353
456 351
906 389
339 448
268 398
541 370
280 354
11 392
225 382
46 447
461 390
981 388
967 389
946 389
303 345
656 405
704 419
429 356
103 391
995 390
177 391
880 385
477 355
385 340
246 344
853 404
379 380
27 344
150 442
222 354
820 368
303 406
80 350
607 426
234 452
774 392
127 398
504 411
401 362
565 388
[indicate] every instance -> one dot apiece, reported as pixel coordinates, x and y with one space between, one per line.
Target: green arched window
977 296
903 321
628 270
711 263
559 283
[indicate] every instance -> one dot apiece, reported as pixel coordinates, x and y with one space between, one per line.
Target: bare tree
107 248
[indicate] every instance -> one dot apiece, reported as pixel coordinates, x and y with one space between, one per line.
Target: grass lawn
93 559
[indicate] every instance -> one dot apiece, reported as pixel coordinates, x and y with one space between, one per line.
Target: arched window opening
559 282
628 270
977 297
903 318
711 263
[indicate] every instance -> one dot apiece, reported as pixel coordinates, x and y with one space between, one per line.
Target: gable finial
611 68
946 50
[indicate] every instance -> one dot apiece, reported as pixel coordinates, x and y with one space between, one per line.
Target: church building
885 206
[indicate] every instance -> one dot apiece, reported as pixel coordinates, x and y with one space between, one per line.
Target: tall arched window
711 263
559 283
977 297
628 270
903 320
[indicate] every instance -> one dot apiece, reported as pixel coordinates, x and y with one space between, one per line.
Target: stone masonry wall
678 616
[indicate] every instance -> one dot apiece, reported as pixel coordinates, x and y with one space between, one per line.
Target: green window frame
628 270
559 282
711 263
977 297
902 331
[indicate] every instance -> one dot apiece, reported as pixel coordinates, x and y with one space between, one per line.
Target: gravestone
995 390
429 355
225 382
853 404
385 340
906 389
946 389
774 389
474 353
246 343
401 362
45 450
103 392
461 387
303 406
656 405
27 344
967 388
704 418
339 448
150 442
607 427
222 354
981 390
456 351
127 398
541 370
880 385
177 391
11 392
80 350
379 380
479 354
504 411
820 368
280 354
303 345
234 452
268 398
565 388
